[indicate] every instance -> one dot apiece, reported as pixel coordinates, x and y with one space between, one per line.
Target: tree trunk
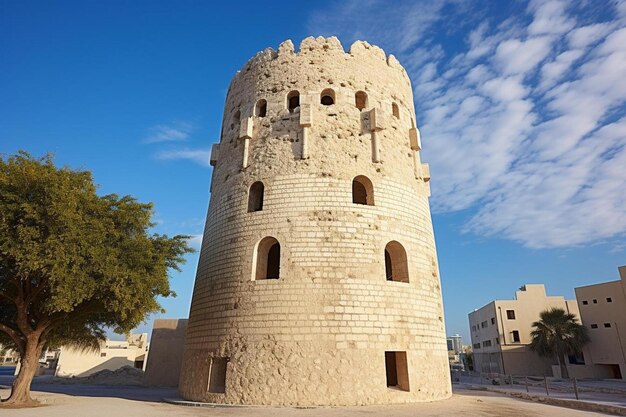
29 363
563 366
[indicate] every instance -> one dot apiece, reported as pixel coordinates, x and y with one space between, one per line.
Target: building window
493 320
396 266
515 335
255 197
609 300
362 191
483 324
360 100
497 339
487 343
397 370
327 97
217 375
103 354
474 328
395 110
595 301
267 259
510 314
594 326
293 101
585 302
578 359
476 345
260 110
607 324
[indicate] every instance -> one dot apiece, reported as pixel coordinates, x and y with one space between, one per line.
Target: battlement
329 46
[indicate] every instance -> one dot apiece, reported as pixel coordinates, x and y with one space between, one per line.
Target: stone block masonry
319 285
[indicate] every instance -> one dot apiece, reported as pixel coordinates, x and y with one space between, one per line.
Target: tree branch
14 335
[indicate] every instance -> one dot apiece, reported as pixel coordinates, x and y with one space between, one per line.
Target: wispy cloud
174 132
199 156
525 123
195 241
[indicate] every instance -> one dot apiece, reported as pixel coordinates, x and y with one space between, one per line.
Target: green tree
558 334
73 263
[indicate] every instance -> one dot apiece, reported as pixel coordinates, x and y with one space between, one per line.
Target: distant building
500 332
112 355
603 311
455 343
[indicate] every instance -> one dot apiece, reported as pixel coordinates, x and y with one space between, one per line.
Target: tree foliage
73 263
557 334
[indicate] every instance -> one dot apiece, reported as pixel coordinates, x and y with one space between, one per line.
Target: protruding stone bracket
425 172
215 154
416 146
246 127
376 125
306 120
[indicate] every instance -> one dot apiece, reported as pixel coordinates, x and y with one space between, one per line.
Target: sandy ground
102 402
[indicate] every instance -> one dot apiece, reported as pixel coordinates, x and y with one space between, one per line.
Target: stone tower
318 281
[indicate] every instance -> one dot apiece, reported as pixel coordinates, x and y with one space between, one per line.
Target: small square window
510 314
516 336
595 301
594 326
103 354
609 300
607 324
585 302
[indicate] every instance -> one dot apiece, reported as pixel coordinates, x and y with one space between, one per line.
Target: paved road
98 401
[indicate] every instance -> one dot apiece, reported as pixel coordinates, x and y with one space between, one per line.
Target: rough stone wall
318 334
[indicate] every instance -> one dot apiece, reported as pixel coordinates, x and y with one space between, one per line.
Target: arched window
267 259
236 119
255 197
396 267
360 100
327 97
293 100
260 110
362 191
395 110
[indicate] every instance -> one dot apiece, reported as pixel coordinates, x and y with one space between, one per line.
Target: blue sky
521 106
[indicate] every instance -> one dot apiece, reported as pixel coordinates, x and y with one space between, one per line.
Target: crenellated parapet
288 105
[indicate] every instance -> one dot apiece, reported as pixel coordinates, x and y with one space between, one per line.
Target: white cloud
526 125
195 241
173 132
199 156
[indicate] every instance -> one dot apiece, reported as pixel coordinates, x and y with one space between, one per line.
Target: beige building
603 311
112 355
500 333
318 281
166 352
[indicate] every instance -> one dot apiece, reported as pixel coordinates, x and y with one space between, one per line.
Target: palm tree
558 334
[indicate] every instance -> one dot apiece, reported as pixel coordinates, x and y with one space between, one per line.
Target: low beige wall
166 352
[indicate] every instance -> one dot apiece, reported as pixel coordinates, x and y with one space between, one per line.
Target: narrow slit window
293 101
397 370
267 259
217 375
395 110
327 97
362 191
360 100
260 110
255 197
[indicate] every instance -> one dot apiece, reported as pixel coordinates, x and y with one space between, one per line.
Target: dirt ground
105 403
